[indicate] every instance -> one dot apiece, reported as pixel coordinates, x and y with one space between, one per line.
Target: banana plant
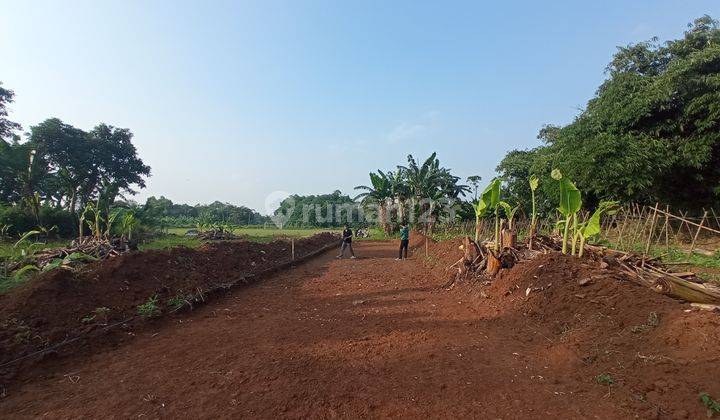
25 246
489 200
83 216
509 212
591 227
21 254
110 220
128 223
570 204
534 182
4 231
68 261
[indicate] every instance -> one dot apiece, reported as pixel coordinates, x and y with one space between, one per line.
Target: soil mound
62 304
658 352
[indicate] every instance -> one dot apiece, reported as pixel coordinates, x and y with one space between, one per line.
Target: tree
423 186
651 133
182 215
474 180
7 127
69 157
380 194
421 179
61 166
116 159
324 210
80 162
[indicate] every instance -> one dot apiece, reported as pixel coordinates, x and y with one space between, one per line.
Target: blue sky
232 101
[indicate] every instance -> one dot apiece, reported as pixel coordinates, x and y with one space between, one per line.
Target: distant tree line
168 214
324 210
650 134
51 175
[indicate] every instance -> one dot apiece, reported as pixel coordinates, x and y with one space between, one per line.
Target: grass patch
170 241
712 406
377 234
150 308
605 379
176 303
7 283
697 260
679 257
710 277
177 236
269 234
6 248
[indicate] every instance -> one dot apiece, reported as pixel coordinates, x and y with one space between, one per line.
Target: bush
62 220
18 220
21 221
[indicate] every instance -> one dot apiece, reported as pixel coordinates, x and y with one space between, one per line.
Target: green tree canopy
651 133
318 210
7 127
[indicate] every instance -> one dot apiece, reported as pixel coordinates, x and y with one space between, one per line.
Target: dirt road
371 337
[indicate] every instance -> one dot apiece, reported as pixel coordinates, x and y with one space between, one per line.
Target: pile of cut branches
217 235
644 270
82 250
481 259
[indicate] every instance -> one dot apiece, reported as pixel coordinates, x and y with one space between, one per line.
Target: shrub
20 221
150 308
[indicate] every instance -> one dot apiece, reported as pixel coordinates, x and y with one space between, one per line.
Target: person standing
346 243
404 241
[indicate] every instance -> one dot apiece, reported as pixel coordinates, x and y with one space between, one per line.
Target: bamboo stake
667 229
691 222
638 234
292 249
622 229
692 246
605 231
677 234
685 223
717 219
660 233
650 235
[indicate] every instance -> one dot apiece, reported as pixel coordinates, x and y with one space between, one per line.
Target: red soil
376 337
51 308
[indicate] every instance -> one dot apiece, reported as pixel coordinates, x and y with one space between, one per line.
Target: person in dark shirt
346 242
404 241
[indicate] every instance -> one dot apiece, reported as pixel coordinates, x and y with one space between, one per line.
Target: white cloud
405 131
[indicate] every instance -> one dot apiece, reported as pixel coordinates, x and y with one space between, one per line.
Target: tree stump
508 238
493 264
470 250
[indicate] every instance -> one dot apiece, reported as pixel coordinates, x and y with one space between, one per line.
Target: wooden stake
650 235
717 219
667 228
691 222
658 238
697 233
639 234
622 229
607 225
683 222
292 249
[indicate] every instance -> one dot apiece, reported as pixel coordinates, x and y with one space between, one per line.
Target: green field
6 248
177 237
265 234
